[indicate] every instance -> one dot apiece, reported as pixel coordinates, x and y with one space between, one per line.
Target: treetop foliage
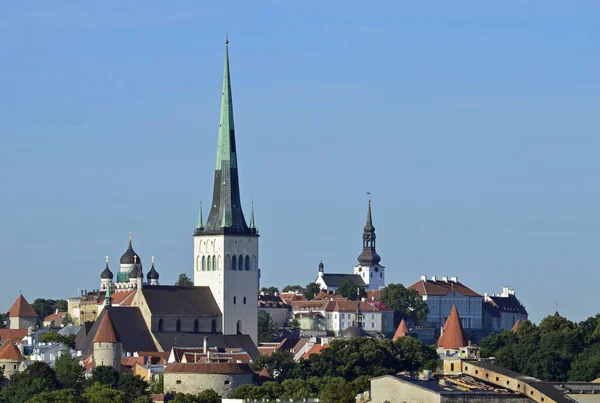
184 281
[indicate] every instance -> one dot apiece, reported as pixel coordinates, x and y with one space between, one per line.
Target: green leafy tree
103 393
266 327
294 324
209 396
56 396
157 386
297 389
69 373
292 288
311 290
37 378
105 375
61 305
54 337
269 290
133 386
243 392
184 281
279 364
3 320
68 320
142 399
44 307
412 355
337 390
405 303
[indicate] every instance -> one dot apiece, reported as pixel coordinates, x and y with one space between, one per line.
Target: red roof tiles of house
106 331
401 331
453 336
516 326
208 368
22 309
441 287
9 351
373 295
12 334
316 349
346 306
328 295
120 298
55 316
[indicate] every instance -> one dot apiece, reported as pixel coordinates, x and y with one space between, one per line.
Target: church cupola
321 268
106 276
369 256
152 276
131 263
129 255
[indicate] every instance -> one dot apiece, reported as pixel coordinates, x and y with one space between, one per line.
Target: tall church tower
226 248
372 273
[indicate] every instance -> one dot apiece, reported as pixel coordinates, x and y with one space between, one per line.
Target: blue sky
475 127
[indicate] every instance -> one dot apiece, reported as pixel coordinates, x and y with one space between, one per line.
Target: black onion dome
106 273
129 256
354 331
152 274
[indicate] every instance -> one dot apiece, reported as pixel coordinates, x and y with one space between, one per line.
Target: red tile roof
316 349
453 336
9 351
401 331
22 309
120 298
516 326
12 334
55 316
441 287
373 295
328 295
289 297
265 373
380 305
345 306
106 331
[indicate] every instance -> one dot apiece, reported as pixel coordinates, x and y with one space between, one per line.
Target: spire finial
200 219
252 224
152 260
106 257
135 259
226 38
369 194
129 237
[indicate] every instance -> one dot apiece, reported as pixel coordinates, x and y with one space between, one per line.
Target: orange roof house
453 336
22 309
401 331
9 351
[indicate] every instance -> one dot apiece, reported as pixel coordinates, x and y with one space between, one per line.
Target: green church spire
108 296
226 145
252 225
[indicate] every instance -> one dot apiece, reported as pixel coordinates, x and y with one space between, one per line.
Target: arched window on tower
241 263
213 326
244 300
247 263
234 300
178 325
203 263
196 326
160 325
239 327
214 263
233 262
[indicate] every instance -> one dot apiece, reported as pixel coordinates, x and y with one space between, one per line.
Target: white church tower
226 248
369 267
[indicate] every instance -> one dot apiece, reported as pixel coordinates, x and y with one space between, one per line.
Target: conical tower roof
516 326
454 336
401 331
22 309
9 351
106 332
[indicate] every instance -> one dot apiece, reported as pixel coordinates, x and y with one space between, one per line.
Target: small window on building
160 325
381 275
371 274
178 382
244 300
178 325
226 382
497 379
476 371
372 325
234 300
16 366
451 366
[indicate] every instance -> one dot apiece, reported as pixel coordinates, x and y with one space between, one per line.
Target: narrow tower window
247 263
213 326
203 263
244 300
178 325
241 263
196 326
214 265
233 263
239 327
160 325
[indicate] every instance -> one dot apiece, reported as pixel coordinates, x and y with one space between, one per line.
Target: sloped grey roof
180 301
168 340
69 330
333 280
129 324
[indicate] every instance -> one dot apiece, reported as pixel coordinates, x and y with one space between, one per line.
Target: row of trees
557 350
340 371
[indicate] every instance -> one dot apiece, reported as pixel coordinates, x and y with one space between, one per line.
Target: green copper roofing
108 296
252 225
225 148
200 221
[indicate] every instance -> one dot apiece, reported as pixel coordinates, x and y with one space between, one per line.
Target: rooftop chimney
433 278
206 346
424 278
455 279
444 278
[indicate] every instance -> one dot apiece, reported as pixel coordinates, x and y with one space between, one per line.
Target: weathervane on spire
130 236
226 39
369 194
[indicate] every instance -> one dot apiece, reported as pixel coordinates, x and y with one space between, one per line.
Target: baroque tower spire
369 256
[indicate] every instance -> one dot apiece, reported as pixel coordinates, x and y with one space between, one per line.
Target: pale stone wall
388 388
108 354
223 384
10 367
22 323
235 291
373 276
